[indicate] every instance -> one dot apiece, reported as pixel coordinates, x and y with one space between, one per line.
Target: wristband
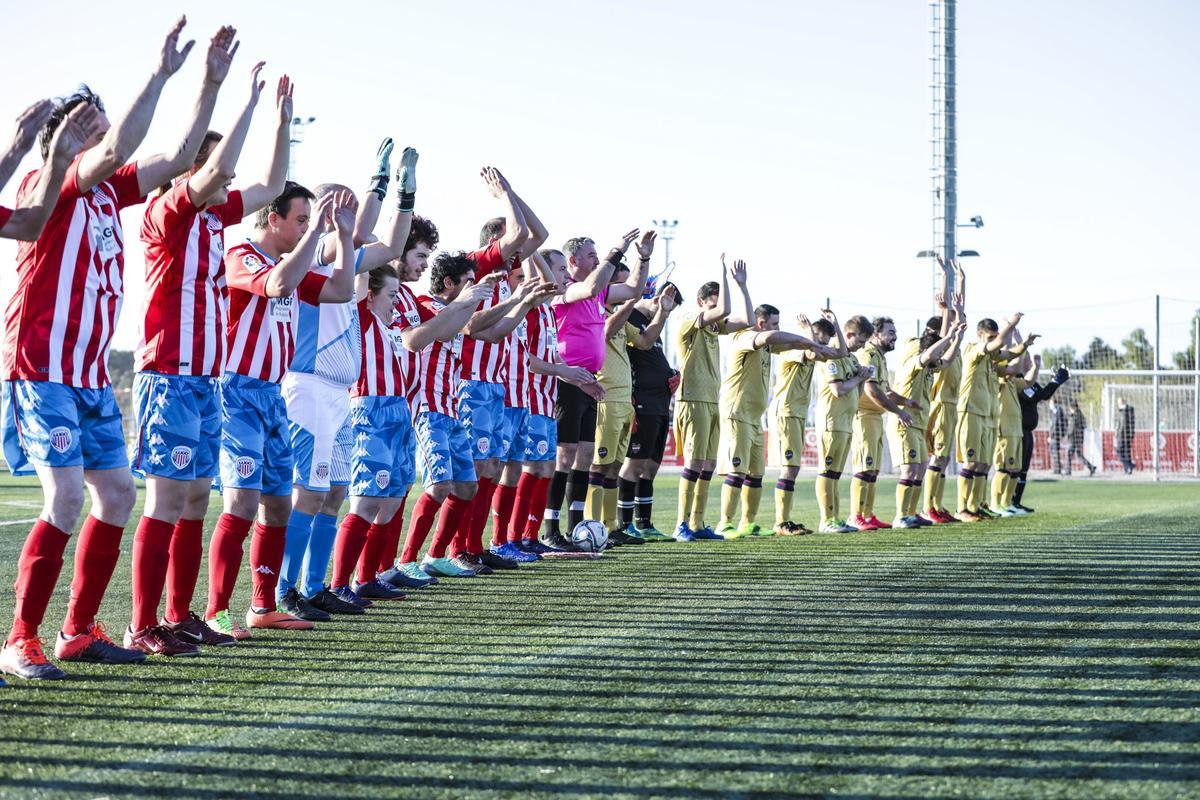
379 185
615 257
407 201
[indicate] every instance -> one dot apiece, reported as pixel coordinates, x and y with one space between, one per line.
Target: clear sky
792 134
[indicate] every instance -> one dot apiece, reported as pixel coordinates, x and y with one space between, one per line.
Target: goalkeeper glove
379 181
1061 375
406 178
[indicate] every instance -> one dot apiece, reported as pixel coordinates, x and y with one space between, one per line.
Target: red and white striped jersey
186 298
485 361
441 365
260 336
410 362
516 366
383 370
543 344
60 320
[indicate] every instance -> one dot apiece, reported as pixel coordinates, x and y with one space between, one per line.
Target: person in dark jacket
1034 394
1126 425
1060 426
1078 426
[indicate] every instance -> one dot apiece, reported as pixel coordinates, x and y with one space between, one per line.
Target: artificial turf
1049 656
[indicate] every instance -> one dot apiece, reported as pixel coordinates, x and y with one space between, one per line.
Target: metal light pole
666 232
297 137
943 115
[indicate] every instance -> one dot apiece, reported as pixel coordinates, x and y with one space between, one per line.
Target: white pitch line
18 522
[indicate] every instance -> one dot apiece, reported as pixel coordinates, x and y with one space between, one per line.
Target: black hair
824 326
987 325
930 337
282 204
707 290
492 229
765 311
546 252
449 265
62 108
378 276
933 324
879 322
860 325
422 231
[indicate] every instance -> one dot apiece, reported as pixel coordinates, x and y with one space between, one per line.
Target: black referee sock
625 492
577 487
643 503
558 490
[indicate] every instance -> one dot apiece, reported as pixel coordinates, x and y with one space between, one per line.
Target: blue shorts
444 452
55 425
481 409
512 434
541 438
178 426
319 428
383 456
256 450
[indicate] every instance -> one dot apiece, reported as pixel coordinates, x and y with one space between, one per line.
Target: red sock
377 536
351 537
266 559
418 528
183 567
151 547
97 551
523 499
537 508
225 551
391 547
481 504
38 568
454 518
502 513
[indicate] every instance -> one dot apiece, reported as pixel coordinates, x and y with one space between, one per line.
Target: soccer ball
590 536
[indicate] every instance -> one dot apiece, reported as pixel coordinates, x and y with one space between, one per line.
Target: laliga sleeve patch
252 262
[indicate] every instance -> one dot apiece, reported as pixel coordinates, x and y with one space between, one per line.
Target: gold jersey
744 392
947 381
916 383
870 355
1010 405
699 355
979 391
794 388
616 376
836 413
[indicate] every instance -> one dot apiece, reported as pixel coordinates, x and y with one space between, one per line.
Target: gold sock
783 504
914 500
687 498
610 508
934 483
826 494
869 510
965 484
699 504
730 495
858 496
979 492
902 499
751 497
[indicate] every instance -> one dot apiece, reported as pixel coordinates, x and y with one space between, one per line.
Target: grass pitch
1051 656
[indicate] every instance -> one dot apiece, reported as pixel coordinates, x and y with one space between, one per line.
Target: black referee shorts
649 438
575 413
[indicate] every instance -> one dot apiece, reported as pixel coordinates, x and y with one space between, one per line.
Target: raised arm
664 304
98 163
779 341
391 246
743 317
593 285
516 233
537 231
340 286
711 316
544 271
219 168
258 195
449 323
617 319
635 284
531 293
28 124
292 268
998 341
157 170
29 218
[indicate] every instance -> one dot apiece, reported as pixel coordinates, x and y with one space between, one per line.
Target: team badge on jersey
244 466
60 439
181 456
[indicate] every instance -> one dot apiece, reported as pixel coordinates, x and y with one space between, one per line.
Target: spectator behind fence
1126 425
1078 426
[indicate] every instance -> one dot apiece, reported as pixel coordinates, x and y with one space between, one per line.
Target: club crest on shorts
383 478
244 466
869 461
602 452
636 447
788 453
60 439
543 447
737 462
970 452
485 444
322 471
181 456
829 461
912 453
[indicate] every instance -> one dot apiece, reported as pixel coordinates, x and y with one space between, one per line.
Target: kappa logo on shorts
485 444
244 466
787 453
60 439
322 471
737 462
383 478
181 456
602 451
543 447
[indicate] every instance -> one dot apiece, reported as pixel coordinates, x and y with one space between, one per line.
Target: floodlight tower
944 117
297 137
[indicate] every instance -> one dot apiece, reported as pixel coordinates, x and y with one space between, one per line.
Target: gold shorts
743 447
868 442
697 430
832 450
907 444
788 437
1008 453
614 426
976 439
940 432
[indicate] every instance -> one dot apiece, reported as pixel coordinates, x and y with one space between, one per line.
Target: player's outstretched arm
259 194
28 124
711 316
635 284
118 145
291 269
391 246
340 286
530 294
450 322
779 341
845 386
998 341
28 219
516 232
593 285
538 234
544 271
221 163
742 317
664 304
160 169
